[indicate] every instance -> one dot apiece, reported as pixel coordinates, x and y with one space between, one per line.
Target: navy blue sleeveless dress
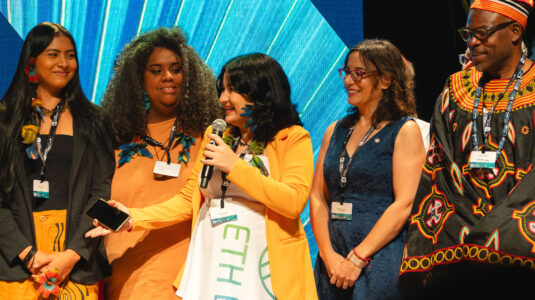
369 189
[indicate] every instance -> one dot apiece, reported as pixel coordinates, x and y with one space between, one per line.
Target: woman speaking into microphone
247 240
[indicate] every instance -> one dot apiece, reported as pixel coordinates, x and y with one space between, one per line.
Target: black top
57 170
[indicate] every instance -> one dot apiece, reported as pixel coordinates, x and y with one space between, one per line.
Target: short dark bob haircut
398 99
263 80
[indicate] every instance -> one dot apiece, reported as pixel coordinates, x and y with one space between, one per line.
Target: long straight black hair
16 110
261 77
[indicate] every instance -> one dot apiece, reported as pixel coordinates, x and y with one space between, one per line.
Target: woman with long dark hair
247 240
57 161
159 102
366 177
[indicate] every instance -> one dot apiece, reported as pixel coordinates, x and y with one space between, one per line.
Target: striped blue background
294 32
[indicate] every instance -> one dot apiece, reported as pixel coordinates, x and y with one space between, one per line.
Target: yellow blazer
284 193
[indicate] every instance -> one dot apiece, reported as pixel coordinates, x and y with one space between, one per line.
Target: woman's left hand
219 155
345 274
64 262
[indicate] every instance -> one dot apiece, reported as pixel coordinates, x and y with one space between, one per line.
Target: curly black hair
398 99
261 77
123 100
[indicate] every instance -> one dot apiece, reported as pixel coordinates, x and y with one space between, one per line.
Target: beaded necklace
487 118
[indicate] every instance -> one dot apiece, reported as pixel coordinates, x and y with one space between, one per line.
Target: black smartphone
108 216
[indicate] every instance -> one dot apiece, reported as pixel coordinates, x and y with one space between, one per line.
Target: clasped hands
63 261
343 273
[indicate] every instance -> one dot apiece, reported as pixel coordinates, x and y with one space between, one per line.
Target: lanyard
171 138
226 182
43 154
517 76
167 148
345 167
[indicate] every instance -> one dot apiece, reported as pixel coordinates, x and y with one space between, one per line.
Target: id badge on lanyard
40 188
162 168
483 160
341 211
220 214
166 169
487 159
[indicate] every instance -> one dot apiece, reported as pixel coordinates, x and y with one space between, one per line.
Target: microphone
218 127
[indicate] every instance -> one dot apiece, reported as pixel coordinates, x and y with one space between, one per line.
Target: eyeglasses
356 75
481 33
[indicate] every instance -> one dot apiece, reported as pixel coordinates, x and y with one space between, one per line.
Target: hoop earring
30 71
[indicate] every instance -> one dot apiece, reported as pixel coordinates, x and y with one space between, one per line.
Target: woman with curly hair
159 101
57 160
366 177
248 241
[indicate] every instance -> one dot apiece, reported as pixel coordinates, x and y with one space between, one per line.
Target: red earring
30 71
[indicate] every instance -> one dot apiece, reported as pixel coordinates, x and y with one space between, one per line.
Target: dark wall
426 34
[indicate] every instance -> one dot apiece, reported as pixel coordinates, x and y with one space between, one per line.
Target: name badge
220 215
40 189
162 168
480 160
341 211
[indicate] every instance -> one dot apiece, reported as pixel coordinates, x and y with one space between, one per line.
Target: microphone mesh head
219 125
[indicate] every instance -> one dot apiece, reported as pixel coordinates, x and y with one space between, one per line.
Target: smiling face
56 65
233 103
162 81
367 91
494 55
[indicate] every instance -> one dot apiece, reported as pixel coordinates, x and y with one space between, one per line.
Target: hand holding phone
111 215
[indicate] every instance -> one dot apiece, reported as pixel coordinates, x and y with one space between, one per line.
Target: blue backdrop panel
345 17
297 33
9 53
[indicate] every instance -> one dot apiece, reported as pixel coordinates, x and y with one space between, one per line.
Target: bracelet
367 260
357 260
29 256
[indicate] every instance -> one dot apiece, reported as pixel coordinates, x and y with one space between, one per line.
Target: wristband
29 256
357 260
359 257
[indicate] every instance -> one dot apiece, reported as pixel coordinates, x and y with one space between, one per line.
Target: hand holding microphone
218 127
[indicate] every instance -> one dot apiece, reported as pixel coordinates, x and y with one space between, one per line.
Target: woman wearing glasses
475 197
366 178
